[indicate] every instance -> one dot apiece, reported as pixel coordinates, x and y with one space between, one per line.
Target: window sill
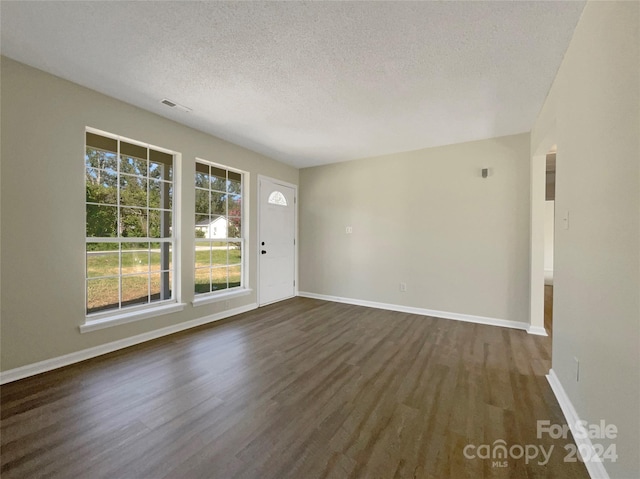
203 299
130 316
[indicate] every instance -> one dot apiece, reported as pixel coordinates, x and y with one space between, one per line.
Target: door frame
538 165
295 233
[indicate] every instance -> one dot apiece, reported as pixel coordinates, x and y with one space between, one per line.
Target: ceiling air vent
173 104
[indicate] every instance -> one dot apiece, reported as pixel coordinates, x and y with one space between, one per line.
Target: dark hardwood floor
299 389
548 308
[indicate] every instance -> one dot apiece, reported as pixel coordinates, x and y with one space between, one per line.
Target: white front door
276 241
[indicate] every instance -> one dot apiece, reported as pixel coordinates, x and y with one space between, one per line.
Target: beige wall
593 113
43 123
426 218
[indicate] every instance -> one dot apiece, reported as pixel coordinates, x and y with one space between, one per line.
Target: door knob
263 252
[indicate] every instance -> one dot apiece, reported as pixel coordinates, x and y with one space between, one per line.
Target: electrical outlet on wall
349 229
403 287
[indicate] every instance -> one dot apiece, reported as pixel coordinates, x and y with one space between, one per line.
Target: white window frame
244 289
126 314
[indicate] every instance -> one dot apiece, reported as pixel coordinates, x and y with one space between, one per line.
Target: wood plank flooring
548 308
299 389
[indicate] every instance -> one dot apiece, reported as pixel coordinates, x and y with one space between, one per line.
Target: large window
219 240
129 233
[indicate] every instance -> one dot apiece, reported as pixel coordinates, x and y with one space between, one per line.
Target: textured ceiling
309 82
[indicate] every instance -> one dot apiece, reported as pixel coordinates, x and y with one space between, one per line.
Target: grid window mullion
120 271
119 211
219 193
120 268
148 214
130 226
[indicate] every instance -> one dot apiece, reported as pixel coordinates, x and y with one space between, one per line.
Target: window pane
155 194
219 279
133 222
235 205
103 259
219 254
156 286
155 257
218 179
202 175
202 255
135 289
160 194
133 159
133 191
106 160
202 202
133 150
161 257
157 170
135 258
235 273
217 228
159 224
160 165
102 294
235 183
160 286
101 186
235 228
101 142
131 165
203 280
235 253
168 198
218 203
102 221
277 198
201 225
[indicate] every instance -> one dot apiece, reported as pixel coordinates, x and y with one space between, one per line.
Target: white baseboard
503 323
596 468
60 361
537 330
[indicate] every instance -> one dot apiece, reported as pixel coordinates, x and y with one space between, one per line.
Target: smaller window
277 198
219 235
